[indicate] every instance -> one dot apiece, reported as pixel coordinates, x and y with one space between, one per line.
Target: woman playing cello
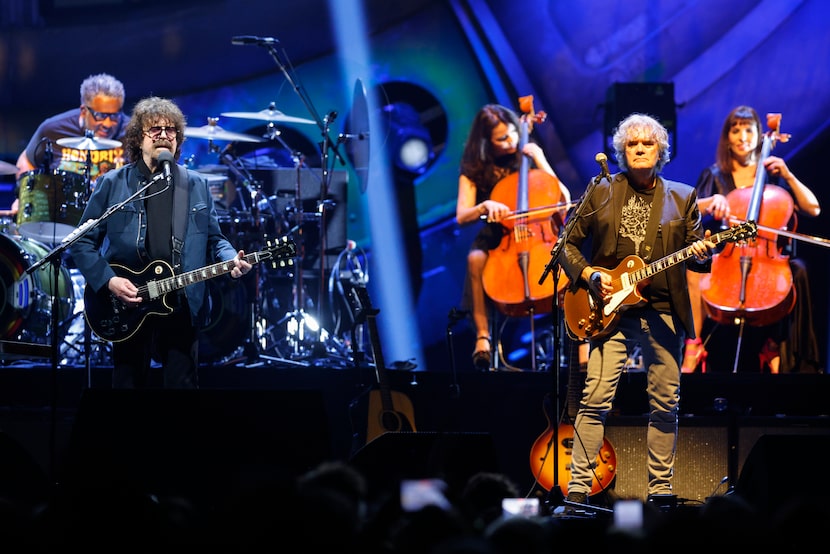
736 162
490 154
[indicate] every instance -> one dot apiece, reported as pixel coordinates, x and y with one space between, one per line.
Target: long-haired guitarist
630 218
171 227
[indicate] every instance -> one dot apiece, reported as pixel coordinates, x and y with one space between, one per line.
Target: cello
751 281
529 234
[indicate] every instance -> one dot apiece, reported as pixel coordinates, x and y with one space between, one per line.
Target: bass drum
228 322
26 298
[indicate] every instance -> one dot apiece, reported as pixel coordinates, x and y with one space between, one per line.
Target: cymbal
358 150
215 132
89 143
270 114
7 169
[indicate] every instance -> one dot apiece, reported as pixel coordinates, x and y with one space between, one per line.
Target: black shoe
663 502
482 358
576 498
575 505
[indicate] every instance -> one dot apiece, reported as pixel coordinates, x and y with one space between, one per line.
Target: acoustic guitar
389 410
541 454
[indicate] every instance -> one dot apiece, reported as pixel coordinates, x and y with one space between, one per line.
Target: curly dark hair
148 112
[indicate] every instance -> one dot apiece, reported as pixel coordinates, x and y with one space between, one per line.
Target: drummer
100 113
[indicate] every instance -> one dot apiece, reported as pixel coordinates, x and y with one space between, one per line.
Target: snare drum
51 204
26 298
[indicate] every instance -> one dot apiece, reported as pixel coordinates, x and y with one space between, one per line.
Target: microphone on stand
251 39
602 160
166 161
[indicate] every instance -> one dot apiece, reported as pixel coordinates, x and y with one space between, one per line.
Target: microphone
602 160
166 161
251 39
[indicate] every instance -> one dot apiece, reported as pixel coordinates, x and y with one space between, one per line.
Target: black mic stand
326 145
54 258
554 267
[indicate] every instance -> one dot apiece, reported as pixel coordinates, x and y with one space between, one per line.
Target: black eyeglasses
156 131
101 116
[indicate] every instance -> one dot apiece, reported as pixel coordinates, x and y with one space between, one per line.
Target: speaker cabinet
700 462
654 99
453 457
765 480
200 443
707 446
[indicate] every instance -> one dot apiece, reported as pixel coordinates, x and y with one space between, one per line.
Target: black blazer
600 222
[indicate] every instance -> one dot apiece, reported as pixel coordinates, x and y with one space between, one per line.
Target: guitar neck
365 303
377 354
159 287
666 262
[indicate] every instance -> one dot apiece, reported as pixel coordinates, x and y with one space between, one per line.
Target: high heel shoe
695 355
481 358
769 357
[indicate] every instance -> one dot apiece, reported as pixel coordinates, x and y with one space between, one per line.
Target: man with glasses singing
171 228
100 113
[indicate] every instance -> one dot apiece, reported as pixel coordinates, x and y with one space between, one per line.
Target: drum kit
266 319
50 206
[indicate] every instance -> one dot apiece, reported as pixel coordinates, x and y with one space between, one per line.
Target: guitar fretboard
682 255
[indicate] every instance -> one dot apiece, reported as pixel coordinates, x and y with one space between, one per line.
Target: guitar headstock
281 251
744 231
360 302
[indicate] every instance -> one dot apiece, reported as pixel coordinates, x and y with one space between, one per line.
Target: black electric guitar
389 411
112 320
587 318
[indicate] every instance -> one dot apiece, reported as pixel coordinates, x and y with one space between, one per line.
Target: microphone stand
326 145
555 252
54 257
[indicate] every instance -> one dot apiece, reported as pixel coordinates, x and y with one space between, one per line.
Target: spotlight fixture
408 141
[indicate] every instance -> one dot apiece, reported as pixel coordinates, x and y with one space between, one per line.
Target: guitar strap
181 193
653 222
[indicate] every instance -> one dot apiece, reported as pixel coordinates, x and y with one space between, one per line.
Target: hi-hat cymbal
270 114
89 143
7 169
215 132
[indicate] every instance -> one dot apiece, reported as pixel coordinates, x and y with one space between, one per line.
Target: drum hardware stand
300 326
299 317
244 181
